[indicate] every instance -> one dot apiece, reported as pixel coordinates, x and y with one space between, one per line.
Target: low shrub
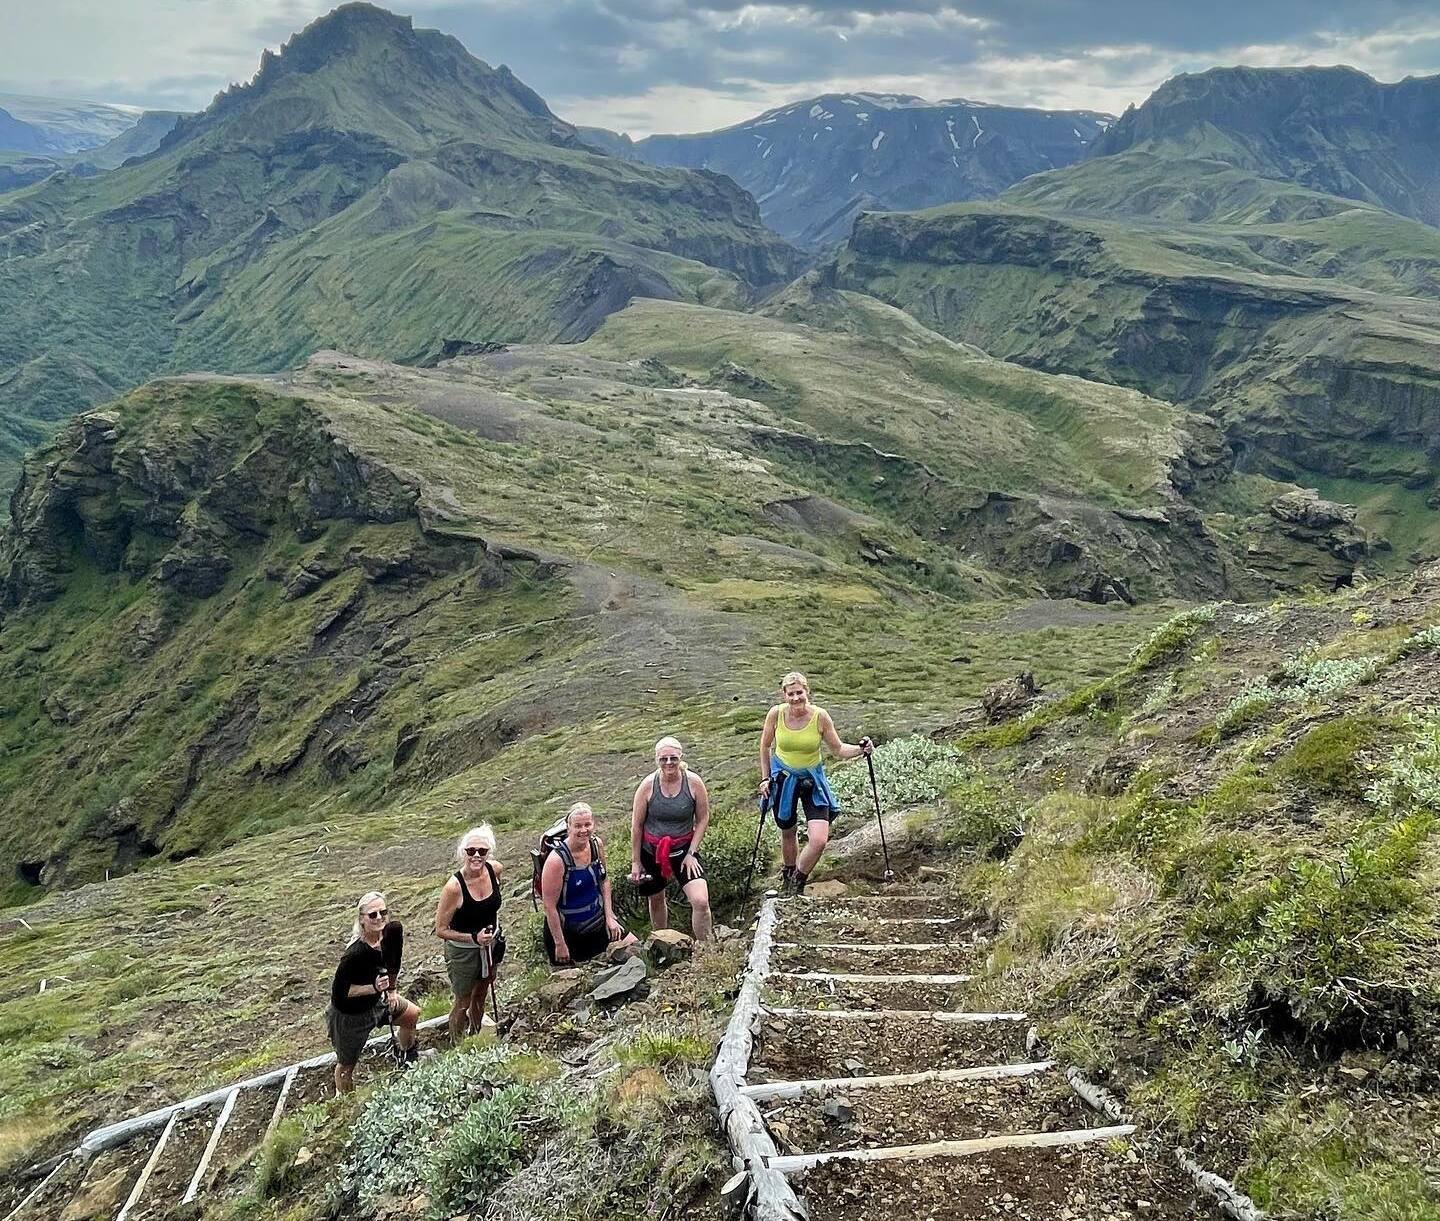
457 1125
1336 1162
1333 941
1172 636
1326 759
1410 776
908 771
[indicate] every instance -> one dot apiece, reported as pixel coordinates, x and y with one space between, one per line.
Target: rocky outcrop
1283 545
1335 130
1306 378
1009 698
1066 547
177 507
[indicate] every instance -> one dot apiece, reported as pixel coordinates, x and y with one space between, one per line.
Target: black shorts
654 883
583 941
803 798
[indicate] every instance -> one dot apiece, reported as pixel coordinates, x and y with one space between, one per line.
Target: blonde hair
792 678
366 899
484 833
576 808
667 740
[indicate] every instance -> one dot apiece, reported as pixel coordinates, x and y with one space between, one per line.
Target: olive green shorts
464 964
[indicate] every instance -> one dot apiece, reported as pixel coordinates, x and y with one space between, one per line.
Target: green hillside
374 186
1311 342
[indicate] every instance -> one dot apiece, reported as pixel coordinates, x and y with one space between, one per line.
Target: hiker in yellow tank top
792 775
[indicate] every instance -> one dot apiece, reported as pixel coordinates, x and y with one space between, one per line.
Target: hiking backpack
550 840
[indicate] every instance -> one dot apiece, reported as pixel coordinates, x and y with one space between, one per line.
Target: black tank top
474 915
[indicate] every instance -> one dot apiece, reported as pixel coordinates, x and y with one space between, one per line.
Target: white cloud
669 65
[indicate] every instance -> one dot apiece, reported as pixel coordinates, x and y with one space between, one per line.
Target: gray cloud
690 64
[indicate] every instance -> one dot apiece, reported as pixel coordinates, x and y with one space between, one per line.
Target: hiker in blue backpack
668 818
792 776
579 918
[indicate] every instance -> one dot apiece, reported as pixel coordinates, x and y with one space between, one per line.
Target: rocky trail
864 1077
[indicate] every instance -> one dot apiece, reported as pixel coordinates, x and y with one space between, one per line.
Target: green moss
1328 759
1337 1161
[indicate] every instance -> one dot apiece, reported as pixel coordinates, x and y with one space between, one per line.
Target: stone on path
826 890
564 987
666 947
617 981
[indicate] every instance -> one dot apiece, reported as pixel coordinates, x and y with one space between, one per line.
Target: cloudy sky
687 65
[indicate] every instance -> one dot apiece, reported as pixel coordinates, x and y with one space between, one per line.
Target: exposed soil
941 1110
1084 1183
177 1163
866 930
960 959
881 904
831 994
795 1049
242 1136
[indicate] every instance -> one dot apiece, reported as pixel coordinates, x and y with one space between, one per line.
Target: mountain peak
361 68
341 31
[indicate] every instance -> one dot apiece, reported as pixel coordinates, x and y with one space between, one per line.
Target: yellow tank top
798 747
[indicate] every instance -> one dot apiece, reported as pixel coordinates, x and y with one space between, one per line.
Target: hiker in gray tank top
669 817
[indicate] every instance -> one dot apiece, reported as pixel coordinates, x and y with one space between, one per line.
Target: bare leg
659 911
407 1015
819 832
787 847
456 1020
698 892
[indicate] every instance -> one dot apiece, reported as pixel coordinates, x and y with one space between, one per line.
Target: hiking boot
797 883
787 880
410 1056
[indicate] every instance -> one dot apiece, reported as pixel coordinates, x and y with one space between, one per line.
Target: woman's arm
612 925
638 809
845 750
552 879
767 740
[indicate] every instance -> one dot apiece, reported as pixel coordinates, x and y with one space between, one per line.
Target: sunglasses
669 758
477 851
378 915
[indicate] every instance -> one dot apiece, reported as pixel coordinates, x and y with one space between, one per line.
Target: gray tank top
670 815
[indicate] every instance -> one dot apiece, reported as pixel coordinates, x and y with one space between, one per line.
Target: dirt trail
900 1094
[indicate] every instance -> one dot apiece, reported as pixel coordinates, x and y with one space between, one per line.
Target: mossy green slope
1225 896
366 154
1310 341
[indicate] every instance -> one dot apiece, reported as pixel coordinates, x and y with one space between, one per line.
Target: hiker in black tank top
468 921
668 819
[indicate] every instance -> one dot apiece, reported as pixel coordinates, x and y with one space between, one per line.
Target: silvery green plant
1309 678
908 771
449 1128
1410 777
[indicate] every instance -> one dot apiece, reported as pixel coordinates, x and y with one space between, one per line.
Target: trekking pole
487 961
755 852
875 793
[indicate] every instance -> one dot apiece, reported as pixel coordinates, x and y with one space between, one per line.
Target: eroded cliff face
1309 379
182 505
